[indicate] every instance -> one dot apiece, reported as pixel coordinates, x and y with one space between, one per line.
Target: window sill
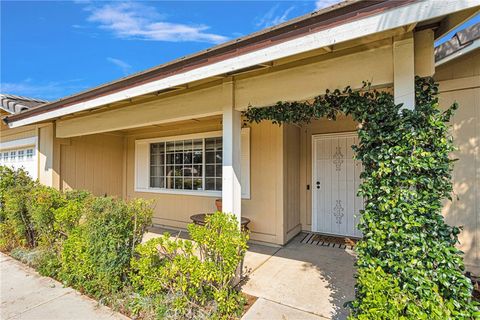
199 193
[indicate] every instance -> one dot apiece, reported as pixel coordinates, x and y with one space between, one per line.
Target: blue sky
53 49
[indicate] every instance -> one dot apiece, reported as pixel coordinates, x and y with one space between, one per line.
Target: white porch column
231 188
404 72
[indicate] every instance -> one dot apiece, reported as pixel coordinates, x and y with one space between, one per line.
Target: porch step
329 240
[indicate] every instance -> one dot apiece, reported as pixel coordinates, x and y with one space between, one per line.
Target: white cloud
125 67
273 17
44 90
133 20
320 4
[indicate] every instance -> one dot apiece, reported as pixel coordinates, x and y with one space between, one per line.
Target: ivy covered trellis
408 265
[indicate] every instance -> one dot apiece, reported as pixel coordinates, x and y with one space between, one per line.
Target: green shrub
42 203
46 262
68 216
382 298
49 263
198 277
28 256
9 239
96 255
15 220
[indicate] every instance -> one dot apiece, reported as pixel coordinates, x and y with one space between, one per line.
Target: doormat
329 241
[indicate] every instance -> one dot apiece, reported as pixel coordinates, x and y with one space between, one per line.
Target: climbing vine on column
408 265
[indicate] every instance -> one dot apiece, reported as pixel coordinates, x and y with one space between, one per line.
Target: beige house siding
8 134
193 103
265 207
291 182
460 81
93 162
46 136
310 77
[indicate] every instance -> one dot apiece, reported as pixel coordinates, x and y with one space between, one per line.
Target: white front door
336 178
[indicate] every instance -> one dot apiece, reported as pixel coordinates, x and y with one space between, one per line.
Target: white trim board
18 143
391 19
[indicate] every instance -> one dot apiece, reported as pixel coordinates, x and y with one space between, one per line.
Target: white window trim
142 166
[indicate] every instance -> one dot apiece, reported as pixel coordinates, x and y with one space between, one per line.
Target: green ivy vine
408 265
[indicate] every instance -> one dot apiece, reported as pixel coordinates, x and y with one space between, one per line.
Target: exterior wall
460 81
7 134
265 206
291 194
45 154
194 103
93 163
330 71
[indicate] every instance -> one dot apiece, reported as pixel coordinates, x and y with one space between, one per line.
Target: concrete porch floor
299 281
296 281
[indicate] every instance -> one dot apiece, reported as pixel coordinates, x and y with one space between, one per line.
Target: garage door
24 157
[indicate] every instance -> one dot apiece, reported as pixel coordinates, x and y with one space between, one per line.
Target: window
13 155
21 153
29 153
193 164
5 156
190 164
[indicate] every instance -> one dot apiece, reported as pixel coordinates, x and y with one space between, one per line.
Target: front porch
299 281
266 175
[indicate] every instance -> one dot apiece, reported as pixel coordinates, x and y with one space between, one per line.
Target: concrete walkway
299 281
24 294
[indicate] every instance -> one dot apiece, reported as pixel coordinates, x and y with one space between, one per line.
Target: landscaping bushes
195 278
96 256
42 203
85 241
93 244
15 220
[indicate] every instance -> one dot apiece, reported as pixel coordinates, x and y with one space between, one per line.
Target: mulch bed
249 303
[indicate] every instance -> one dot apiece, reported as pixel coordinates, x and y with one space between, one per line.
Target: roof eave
459 53
400 15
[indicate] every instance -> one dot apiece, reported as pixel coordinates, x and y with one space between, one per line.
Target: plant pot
218 204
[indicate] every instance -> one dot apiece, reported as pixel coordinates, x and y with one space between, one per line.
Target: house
174 133
22 147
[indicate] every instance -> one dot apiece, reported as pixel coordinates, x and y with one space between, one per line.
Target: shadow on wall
463 210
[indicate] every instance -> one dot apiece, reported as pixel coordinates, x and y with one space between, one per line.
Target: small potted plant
218 204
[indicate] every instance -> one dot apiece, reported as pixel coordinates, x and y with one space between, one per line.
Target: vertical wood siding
93 163
460 81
